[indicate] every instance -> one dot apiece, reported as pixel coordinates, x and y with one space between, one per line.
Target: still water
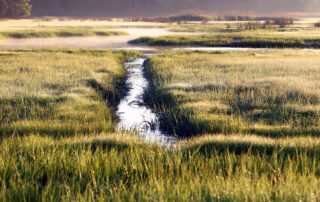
133 114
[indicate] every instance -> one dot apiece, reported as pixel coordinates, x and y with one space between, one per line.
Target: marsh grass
270 93
57 141
220 36
59 32
115 167
60 92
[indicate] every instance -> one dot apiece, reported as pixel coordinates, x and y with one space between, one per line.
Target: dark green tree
3 7
15 8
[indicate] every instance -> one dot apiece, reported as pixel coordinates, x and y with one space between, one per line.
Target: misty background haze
144 8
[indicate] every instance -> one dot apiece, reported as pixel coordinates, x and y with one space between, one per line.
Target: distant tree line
15 8
280 21
142 8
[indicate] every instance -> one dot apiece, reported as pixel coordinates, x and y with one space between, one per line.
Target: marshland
239 124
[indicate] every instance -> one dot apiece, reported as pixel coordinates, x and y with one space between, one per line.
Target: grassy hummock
250 39
270 93
50 33
60 92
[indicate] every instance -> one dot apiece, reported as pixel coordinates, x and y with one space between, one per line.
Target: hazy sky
129 8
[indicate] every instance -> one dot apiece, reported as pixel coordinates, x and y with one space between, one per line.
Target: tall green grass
60 92
269 93
117 168
57 121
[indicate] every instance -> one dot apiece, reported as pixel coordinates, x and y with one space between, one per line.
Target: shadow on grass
27 108
284 132
96 145
282 115
44 109
113 95
173 120
211 148
228 41
53 131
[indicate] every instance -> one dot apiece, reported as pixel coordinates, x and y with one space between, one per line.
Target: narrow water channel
133 114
